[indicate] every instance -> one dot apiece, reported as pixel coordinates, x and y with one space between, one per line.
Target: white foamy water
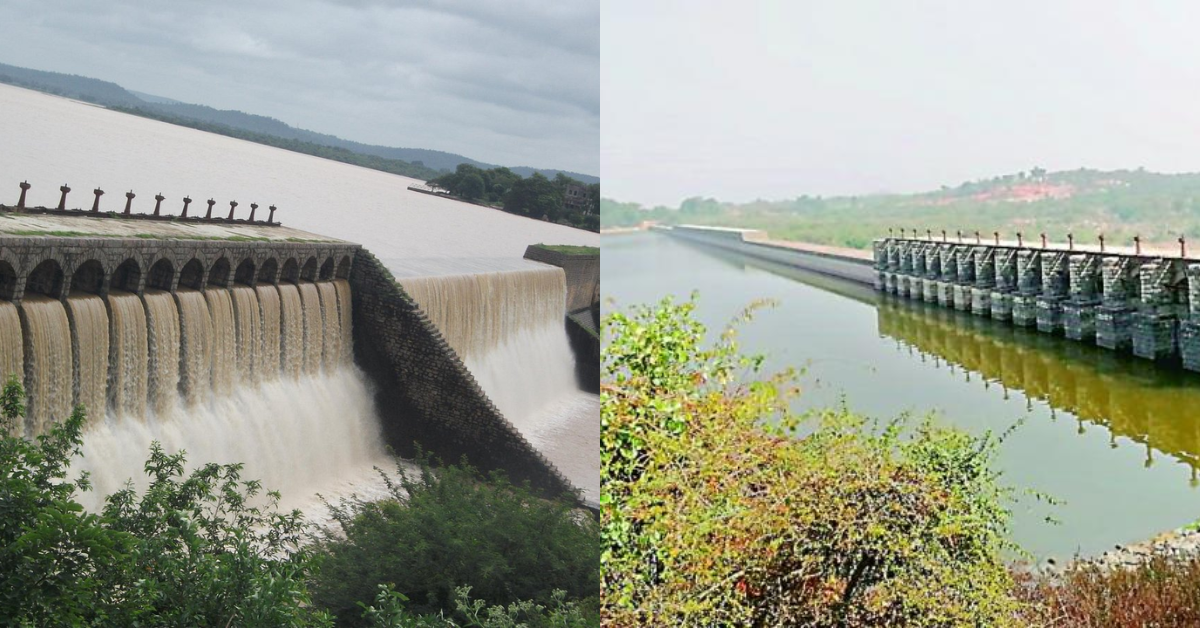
296 435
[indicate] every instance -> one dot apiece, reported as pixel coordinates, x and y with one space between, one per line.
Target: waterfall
268 303
163 323
89 347
128 353
343 296
291 323
12 348
249 326
314 327
48 364
332 341
508 329
220 310
195 331
295 434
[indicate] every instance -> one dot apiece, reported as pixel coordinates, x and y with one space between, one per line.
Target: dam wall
166 328
424 391
842 264
582 309
583 275
1122 300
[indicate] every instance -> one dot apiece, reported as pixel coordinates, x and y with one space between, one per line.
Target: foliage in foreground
711 516
453 527
210 549
191 551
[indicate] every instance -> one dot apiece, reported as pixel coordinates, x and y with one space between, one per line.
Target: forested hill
1118 203
415 162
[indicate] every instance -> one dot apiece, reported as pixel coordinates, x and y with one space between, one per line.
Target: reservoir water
1114 438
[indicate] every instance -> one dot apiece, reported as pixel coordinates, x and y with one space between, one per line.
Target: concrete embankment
847 264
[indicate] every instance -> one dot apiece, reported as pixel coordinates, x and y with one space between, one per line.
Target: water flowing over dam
258 422
508 329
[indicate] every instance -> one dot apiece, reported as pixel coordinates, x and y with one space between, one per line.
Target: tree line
533 197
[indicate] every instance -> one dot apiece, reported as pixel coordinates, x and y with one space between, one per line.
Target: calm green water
1116 439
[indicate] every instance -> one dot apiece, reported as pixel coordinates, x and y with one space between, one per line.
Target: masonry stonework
424 393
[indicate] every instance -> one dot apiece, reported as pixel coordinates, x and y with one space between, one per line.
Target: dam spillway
181 337
1123 300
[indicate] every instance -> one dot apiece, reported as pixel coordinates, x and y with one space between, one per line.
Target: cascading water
298 432
291 324
333 328
195 331
163 323
343 294
268 303
48 362
314 327
224 339
508 329
128 354
249 326
89 347
12 350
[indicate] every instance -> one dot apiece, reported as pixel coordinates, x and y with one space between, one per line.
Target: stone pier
1122 300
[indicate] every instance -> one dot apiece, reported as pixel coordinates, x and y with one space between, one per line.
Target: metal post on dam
1122 299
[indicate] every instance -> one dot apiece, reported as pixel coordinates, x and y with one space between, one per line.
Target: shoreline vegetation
715 510
533 197
449 547
1120 204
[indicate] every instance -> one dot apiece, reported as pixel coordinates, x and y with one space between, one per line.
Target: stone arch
245 272
162 275
218 275
89 277
192 274
127 276
326 270
8 281
47 279
308 272
291 271
343 268
269 271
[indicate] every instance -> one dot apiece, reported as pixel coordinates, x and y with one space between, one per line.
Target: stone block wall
424 393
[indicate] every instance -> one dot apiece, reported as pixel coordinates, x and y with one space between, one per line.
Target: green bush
190 552
452 527
715 512
390 611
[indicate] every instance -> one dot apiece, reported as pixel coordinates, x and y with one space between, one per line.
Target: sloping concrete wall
424 393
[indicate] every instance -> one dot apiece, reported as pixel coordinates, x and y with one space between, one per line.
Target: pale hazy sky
745 100
512 82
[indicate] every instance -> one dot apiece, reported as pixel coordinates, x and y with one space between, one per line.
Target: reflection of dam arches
1147 405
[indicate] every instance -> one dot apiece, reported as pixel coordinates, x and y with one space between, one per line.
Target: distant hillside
1119 204
416 162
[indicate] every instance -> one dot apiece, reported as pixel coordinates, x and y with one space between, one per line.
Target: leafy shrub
389 611
452 527
714 511
192 551
1159 592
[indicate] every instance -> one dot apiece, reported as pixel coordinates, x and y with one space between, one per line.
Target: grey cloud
513 83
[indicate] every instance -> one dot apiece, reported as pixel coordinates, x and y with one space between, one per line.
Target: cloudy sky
514 82
778 99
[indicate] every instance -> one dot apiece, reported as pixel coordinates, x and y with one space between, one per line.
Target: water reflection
1154 406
